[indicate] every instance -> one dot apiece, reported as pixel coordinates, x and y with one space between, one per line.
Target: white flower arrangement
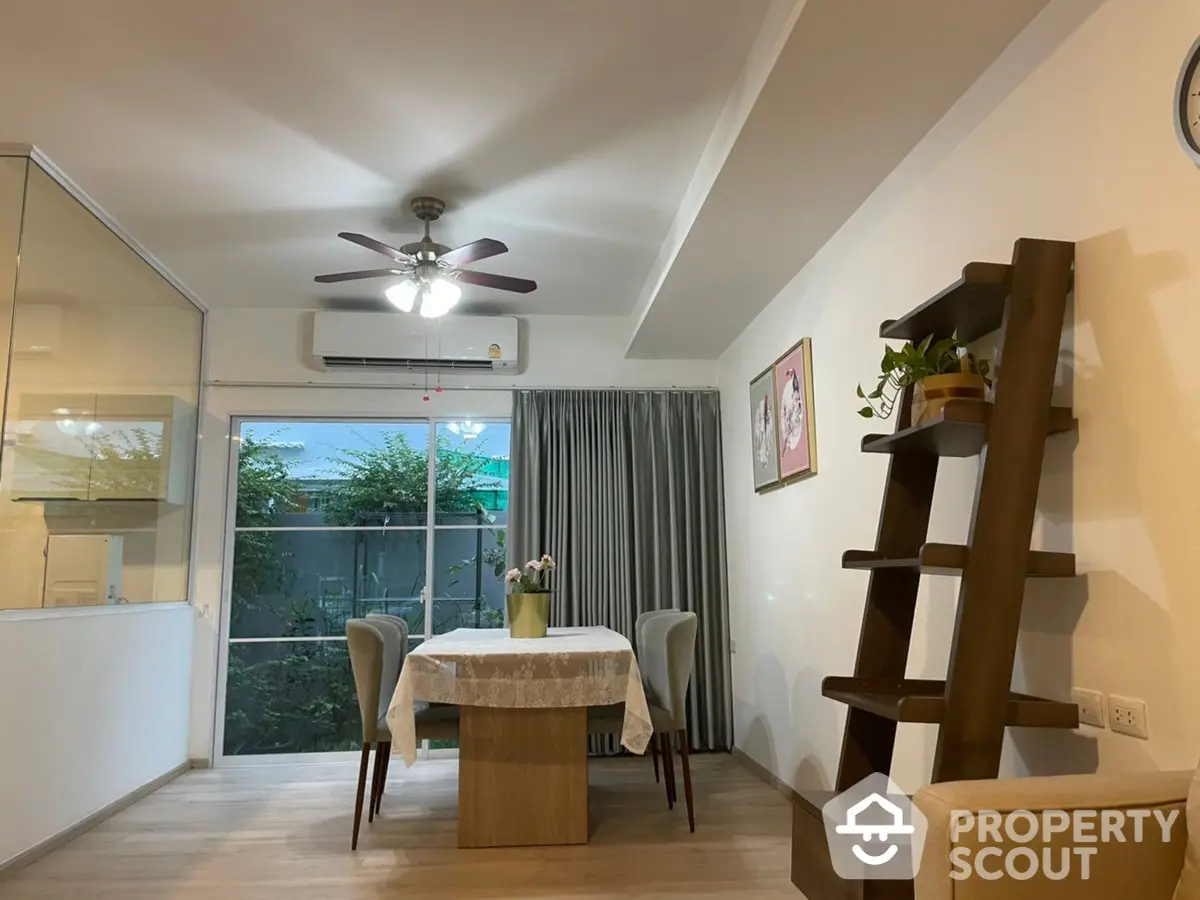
529 580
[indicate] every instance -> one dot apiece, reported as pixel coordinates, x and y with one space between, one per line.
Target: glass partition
100 411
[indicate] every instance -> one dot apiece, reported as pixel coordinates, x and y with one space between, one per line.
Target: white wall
1069 136
259 365
94 706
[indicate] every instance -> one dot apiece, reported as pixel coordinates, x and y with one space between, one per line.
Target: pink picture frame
796 437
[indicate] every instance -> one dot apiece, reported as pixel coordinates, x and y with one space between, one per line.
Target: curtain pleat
625 490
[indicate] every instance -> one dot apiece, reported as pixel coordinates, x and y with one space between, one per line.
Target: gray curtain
625 490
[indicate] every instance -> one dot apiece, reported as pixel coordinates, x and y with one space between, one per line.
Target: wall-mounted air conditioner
356 340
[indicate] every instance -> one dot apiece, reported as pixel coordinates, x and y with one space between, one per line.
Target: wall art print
795 428
764 447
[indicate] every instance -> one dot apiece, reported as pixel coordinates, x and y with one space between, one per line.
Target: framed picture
795 429
763 437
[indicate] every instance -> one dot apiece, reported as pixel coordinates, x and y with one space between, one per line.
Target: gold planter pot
528 615
932 393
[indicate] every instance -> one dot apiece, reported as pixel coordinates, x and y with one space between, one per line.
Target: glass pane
101 412
468 578
472 473
285 697
333 473
308 583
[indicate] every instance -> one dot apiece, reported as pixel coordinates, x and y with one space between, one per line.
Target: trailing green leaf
903 367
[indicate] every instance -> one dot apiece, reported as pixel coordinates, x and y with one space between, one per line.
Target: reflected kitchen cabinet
103 447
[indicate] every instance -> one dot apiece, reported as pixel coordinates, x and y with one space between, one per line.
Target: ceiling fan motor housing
427 209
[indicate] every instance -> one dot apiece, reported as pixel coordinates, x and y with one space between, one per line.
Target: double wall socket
1124 715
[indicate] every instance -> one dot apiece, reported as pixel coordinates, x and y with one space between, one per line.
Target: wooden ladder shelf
973 706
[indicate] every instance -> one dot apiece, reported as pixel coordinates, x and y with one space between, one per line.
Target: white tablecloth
485 667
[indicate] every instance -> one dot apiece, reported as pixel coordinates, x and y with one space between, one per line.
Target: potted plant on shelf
529 598
938 371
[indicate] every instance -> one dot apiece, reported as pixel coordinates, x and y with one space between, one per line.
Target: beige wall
1068 137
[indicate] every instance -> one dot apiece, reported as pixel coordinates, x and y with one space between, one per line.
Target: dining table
523 724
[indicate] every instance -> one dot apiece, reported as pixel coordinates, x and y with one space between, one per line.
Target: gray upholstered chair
375 657
667 655
666 652
395 640
638 627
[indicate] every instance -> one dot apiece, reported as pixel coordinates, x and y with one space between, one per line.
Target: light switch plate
1127 715
1091 707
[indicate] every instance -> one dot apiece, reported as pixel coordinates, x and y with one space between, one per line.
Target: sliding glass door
335 520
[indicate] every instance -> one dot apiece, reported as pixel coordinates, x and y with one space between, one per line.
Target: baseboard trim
762 773
55 841
199 762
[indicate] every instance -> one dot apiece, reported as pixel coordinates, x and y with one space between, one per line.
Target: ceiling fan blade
354 276
473 252
500 282
378 246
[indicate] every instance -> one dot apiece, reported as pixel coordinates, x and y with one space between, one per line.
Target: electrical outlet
1128 716
1091 707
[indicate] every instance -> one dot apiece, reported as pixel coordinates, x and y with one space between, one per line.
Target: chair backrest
667 655
395 648
373 658
399 621
640 625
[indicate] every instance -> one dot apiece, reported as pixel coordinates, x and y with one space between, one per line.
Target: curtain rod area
446 387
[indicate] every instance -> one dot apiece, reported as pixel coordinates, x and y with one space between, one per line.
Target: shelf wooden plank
960 431
973 306
922 700
951 559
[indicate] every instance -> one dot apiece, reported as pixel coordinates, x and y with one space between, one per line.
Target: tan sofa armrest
1148 870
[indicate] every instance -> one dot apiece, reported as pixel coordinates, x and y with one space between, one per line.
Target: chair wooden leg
375 783
668 768
654 754
385 750
687 779
362 787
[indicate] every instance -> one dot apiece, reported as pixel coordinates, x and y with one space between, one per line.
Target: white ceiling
675 161
234 139
855 87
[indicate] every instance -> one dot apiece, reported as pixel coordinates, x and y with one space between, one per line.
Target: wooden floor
267 832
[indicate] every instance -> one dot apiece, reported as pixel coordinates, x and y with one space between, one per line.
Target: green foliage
128 463
280 698
290 698
299 697
265 492
378 483
908 365
494 558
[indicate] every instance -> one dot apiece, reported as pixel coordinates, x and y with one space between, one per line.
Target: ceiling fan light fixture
402 295
441 296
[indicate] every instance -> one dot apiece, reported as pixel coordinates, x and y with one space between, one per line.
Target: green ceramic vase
528 615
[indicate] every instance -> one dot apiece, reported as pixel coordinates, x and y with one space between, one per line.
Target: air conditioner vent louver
414 365
403 343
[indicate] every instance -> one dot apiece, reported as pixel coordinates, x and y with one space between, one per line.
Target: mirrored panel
100 414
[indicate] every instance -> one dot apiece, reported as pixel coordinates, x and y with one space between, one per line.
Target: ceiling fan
429 271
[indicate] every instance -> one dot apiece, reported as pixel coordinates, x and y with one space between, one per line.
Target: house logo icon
874 831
